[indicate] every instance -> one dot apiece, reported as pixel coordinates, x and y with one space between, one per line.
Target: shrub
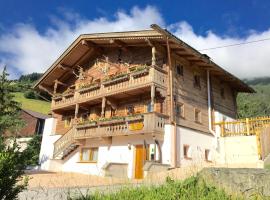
33 148
13 162
30 94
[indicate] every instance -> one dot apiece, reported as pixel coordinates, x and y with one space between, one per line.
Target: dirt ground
44 179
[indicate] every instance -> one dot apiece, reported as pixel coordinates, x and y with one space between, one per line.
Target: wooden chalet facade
135 96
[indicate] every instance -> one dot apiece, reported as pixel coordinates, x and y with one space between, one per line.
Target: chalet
33 123
125 103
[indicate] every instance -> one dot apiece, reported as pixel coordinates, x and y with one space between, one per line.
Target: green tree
13 161
9 109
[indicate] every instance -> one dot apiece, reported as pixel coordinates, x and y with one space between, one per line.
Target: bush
191 188
13 162
30 94
33 148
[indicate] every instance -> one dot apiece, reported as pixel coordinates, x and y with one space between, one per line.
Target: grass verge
191 188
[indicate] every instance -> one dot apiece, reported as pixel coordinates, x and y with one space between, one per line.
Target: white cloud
245 61
27 50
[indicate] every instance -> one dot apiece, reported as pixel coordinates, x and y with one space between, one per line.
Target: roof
36 114
77 51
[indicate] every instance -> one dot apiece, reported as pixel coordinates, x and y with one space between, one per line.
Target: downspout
209 104
172 117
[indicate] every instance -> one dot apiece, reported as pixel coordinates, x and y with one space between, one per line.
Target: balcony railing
247 126
130 81
143 123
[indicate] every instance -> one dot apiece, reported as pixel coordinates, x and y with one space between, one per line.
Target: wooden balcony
138 124
127 82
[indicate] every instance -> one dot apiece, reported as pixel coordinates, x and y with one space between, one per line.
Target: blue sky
34 33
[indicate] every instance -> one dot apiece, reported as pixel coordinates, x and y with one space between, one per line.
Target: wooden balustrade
148 123
131 81
63 143
248 126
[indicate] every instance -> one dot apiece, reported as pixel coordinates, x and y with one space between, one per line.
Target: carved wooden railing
63 143
148 123
130 81
249 126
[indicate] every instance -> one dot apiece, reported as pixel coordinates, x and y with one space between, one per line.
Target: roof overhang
77 50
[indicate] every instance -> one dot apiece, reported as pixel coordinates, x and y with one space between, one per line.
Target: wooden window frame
199 120
179 69
185 152
181 107
222 92
91 150
196 81
67 125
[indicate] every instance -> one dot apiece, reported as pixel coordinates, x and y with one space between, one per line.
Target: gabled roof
36 114
77 51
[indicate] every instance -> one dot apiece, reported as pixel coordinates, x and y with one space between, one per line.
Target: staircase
65 145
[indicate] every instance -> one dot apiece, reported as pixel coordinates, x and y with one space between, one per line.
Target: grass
191 188
32 104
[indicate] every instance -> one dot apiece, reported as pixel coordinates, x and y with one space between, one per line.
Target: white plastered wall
47 147
116 152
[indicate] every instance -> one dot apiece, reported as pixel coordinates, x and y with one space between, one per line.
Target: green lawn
33 104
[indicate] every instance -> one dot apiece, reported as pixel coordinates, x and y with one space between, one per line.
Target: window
197 81
222 93
186 151
68 121
207 155
130 110
180 70
197 115
180 110
89 155
149 107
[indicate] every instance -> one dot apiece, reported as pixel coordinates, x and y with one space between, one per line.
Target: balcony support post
153 55
153 89
103 105
76 111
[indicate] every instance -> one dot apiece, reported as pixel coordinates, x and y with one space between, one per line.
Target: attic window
180 70
197 81
222 92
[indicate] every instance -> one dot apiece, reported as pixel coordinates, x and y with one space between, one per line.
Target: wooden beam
59 82
49 91
119 43
92 45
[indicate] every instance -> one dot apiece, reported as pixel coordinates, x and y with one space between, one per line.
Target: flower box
89 87
134 118
57 97
87 124
68 94
108 121
116 79
140 73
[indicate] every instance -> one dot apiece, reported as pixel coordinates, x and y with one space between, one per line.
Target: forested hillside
258 104
27 97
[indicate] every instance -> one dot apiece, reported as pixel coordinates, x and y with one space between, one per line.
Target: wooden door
139 161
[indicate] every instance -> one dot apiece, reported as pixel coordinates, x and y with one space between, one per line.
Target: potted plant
111 120
89 86
140 71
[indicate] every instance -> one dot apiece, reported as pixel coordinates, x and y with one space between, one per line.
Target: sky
33 34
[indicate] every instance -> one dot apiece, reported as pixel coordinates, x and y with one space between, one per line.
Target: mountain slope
32 104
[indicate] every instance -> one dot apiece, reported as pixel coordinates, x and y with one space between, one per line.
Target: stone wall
241 181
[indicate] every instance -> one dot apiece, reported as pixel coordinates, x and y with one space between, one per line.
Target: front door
139 161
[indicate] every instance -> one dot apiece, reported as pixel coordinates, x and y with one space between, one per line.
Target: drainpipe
210 109
172 116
